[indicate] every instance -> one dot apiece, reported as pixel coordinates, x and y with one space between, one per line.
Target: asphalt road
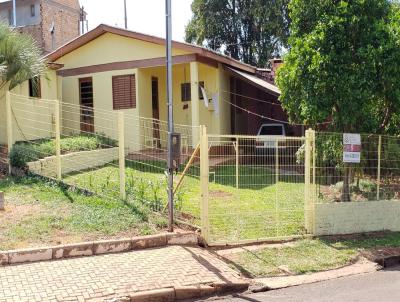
382 286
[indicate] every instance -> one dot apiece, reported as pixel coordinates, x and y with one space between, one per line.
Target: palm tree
20 58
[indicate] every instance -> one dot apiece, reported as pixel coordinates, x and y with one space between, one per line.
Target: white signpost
351 148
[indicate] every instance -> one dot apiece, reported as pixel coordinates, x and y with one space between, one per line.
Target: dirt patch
220 194
14 214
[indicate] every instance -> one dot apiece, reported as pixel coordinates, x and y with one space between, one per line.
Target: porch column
194 96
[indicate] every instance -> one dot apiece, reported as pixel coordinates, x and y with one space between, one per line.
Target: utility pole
14 13
170 115
126 15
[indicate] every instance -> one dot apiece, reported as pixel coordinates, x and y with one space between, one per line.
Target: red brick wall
65 15
70 3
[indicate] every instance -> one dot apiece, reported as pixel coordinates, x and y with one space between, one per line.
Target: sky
145 16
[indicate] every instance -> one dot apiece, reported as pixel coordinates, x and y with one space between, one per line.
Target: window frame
186 88
33 10
131 103
35 92
186 92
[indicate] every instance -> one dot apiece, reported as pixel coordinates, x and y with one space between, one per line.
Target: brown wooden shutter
124 92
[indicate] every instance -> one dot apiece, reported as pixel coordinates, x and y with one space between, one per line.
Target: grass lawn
307 256
260 208
40 213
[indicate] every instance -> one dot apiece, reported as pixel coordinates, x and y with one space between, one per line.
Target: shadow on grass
253 177
363 241
73 193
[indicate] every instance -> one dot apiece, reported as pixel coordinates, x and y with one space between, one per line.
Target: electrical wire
252 98
270 118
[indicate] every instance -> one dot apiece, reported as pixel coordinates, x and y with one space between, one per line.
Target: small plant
156 202
106 184
130 183
141 191
178 200
90 181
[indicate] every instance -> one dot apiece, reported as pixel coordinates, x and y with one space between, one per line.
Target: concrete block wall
357 217
74 162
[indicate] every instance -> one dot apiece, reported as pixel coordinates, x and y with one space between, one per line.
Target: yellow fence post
237 161
121 154
204 179
58 138
307 180
9 128
379 168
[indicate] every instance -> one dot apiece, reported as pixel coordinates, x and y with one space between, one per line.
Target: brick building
51 23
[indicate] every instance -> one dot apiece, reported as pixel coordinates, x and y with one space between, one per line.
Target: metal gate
254 187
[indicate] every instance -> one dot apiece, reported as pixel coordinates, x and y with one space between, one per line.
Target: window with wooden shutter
124 92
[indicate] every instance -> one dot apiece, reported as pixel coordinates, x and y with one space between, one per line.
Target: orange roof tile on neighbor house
103 29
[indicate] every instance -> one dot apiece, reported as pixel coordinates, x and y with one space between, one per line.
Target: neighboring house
111 69
51 23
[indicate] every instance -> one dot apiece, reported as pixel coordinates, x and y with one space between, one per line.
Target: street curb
97 248
181 293
265 284
388 257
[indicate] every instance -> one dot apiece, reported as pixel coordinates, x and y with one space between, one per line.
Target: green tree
343 66
20 58
252 31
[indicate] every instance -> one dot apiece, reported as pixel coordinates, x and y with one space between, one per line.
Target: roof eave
102 29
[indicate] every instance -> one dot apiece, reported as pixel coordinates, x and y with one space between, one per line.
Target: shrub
24 152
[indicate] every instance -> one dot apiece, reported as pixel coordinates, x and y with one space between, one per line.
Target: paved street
373 287
82 279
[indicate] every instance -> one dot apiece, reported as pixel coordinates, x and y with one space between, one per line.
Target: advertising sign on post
351 148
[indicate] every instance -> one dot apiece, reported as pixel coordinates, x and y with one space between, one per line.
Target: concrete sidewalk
113 275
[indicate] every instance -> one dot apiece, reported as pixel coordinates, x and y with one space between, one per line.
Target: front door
156 112
86 105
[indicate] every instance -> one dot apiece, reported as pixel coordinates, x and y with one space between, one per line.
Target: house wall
105 118
24 17
33 117
65 15
224 106
215 80
110 48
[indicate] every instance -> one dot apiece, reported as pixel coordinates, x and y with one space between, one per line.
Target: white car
268 137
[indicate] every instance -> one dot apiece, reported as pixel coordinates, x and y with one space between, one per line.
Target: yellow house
109 70
125 70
